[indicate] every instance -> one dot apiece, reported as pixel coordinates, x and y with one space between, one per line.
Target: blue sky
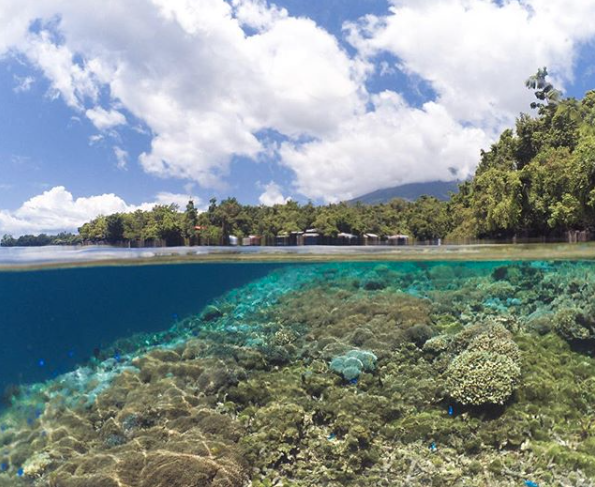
154 101
45 144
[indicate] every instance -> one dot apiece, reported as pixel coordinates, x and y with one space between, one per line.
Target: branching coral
480 377
488 371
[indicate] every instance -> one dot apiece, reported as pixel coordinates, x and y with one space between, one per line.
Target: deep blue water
52 320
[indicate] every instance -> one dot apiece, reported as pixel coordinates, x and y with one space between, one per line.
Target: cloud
392 144
166 198
476 54
56 210
105 119
206 78
189 71
121 157
73 82
95 139
257 14
23 84
272 195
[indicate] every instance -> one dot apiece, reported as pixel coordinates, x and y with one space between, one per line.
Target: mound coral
353 363
572 325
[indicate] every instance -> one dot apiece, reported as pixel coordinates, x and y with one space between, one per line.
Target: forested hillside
537 180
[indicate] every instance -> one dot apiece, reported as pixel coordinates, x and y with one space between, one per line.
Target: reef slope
397 374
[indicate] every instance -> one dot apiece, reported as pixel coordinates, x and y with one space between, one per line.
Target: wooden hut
311 237
282 240
346 239
398 239
296 238
252 241
371 239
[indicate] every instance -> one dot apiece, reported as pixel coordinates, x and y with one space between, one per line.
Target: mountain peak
411 191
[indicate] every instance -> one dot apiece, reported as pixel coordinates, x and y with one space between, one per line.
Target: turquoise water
225 375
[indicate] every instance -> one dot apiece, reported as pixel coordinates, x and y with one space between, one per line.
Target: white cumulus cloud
272 195
476 54
57 210
23 84
121 157
390 145
187 69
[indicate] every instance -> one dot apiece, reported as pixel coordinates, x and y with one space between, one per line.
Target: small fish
451 411
3 467
71 353
117 356
175 316
353 381
332 436
20 472
41 362
530 483
433 447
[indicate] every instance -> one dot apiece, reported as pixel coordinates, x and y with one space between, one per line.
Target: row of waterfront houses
313 237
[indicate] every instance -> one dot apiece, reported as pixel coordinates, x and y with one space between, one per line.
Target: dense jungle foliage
537 180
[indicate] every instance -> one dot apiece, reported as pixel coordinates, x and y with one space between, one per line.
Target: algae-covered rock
478 377
572 325
211 312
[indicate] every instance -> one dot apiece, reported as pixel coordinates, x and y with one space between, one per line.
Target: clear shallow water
367 374
53 319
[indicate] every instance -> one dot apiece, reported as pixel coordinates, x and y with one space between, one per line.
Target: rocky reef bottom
428 374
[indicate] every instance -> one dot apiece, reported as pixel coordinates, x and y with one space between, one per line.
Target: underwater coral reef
396 374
